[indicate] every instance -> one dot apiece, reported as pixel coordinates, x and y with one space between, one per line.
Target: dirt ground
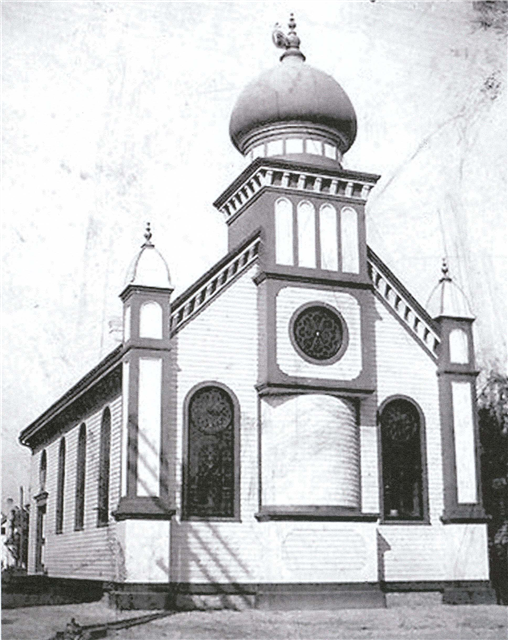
417 619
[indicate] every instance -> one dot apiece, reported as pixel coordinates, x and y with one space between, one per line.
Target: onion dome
148 269
448 299
293 110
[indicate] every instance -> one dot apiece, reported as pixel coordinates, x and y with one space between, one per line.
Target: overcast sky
115 113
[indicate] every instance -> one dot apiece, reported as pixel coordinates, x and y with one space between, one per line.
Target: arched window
284 232
79 513
306 217
211 449
150 320
60 488
43 471
104 453
401 448
459 346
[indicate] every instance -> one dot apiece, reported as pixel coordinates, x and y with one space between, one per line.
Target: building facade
294 429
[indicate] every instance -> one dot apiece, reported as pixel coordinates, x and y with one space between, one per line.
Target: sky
117 113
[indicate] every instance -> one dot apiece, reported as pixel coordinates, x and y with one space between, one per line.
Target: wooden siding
93 552
420 551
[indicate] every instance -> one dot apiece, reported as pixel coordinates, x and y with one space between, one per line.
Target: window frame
103 485
60 488
185 515
79 504
425 517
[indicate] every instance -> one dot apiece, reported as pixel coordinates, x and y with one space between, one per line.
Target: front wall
421 551
92 553
220 344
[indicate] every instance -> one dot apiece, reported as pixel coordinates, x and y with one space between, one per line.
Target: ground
417 618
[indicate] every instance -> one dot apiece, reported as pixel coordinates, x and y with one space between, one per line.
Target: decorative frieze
190 306
402 304
294 180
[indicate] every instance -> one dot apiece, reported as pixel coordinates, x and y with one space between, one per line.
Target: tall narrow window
60 486
328 237
284 232
43 470
349 240
306 235
401 447
79 514
104 453
459 346
211 470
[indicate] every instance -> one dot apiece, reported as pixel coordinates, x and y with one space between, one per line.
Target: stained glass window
210 469
79 515
402 461
318 332
104 453
60 487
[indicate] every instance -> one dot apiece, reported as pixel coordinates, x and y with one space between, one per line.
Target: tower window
43 471
104 454
79 515
459 346
60 486
211 468
150 320
402 461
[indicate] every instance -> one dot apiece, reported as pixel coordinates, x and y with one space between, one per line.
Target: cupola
148 268
293 111
447 298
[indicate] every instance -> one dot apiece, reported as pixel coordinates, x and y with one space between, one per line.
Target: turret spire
148 237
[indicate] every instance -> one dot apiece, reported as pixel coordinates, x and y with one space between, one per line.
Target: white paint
288 301
150 320
259 151
146 550
125 428
332 553
306 234
149 426
294 145
284 232
310 451
349 240
314 146
463 431
274 148
127 323
369 463
328 237
466 552
330 151
459 348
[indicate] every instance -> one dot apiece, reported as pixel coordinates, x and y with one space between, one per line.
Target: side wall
93 552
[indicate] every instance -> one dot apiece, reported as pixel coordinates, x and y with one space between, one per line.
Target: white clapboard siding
93 552
221 344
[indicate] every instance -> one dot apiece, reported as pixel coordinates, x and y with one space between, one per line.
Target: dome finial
289 42
148 237
445 272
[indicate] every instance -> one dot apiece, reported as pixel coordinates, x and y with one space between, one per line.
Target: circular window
211 410
318 333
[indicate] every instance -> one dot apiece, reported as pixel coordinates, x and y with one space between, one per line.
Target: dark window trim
79 507
425 518
345 333
43 471
104 469
60 488
236 453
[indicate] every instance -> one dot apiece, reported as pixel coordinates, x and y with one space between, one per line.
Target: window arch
211 453
404 494
79 513
284 249
104 454
43 471
60 487
150 320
